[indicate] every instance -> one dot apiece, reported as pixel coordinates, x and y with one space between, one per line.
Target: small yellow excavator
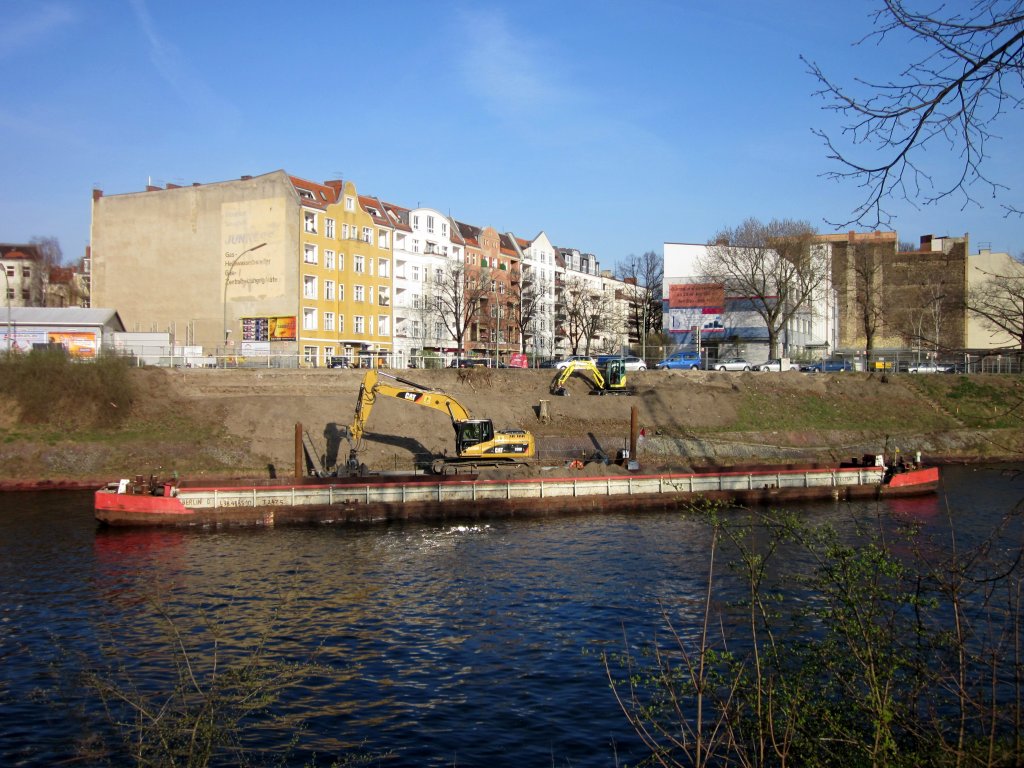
612 381
477 443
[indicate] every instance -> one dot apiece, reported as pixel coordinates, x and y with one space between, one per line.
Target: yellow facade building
269 269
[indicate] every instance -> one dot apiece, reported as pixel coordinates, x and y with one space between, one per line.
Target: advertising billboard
696 306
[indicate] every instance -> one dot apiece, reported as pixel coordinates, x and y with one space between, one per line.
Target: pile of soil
242 422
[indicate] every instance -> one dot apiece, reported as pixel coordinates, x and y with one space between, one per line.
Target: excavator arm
377 384
476 440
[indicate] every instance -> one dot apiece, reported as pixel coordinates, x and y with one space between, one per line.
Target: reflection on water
456 645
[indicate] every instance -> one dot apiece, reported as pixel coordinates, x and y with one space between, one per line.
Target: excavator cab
472 432
615 374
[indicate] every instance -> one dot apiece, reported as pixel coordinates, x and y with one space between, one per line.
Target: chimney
97 194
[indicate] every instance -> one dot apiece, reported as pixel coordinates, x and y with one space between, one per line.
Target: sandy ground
242 422
264 406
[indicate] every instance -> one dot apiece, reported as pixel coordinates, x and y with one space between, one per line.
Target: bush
50 387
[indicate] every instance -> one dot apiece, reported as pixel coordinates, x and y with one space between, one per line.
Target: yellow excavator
610 382
477 443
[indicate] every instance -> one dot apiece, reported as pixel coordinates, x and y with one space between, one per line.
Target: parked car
731 364
929 367
633 363
775 364
548 363
338 362
571 358
470 362
829 366
687 360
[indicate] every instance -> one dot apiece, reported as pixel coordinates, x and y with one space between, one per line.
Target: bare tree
50 257
968 74
588 313
525 303
458 294
773 266
999 302
867 276
643 276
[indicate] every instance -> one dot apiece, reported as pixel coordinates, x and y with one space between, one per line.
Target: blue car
687 361
830 366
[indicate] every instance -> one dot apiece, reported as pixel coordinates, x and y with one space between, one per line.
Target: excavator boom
475 439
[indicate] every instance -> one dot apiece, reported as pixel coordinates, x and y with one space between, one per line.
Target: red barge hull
422 498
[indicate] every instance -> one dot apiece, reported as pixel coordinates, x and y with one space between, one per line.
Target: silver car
732 364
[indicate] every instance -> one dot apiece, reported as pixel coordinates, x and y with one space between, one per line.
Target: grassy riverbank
62 420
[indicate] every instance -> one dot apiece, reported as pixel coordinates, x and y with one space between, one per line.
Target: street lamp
7 280
227 278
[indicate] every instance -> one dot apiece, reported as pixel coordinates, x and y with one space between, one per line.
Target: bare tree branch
945 102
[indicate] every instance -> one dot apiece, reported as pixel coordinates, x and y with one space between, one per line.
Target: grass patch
982 401
792 411
52 389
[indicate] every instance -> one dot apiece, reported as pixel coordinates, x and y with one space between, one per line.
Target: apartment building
270 266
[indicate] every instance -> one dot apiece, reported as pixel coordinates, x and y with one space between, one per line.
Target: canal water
426 645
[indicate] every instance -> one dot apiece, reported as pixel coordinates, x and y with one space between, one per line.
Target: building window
309 355
341 323
10 270
308 287
328 259
328 353
414 328
383 325
369 294
438 330
382 238
309 253
430 223
358 264
358 293
359 323
329 290
341 262
444 229
383 296
329 228
350 204
308 319
415 273
310 219
367 234
328 321
26 272
416 221
344 231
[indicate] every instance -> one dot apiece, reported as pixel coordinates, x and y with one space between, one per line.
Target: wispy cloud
173 67
33 29
509 72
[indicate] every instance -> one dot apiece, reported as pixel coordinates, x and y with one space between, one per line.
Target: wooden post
543 412
300 464
634 431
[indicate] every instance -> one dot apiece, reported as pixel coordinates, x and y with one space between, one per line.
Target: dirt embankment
219 423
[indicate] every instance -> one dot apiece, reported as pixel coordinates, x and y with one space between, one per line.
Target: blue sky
612 126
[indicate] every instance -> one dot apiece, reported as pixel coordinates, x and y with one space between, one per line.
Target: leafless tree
999 302
773 266
868 288
588 314
643 276
50 257
458 294
946 102
526 302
